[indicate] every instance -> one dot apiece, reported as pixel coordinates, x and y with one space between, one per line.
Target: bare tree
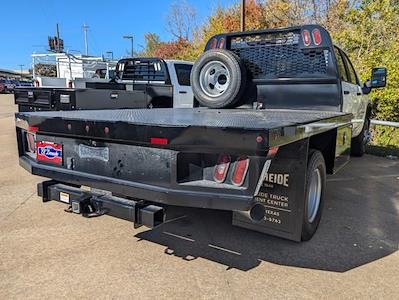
182 20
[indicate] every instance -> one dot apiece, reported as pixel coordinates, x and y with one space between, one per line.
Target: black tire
311 220
233 86
358 143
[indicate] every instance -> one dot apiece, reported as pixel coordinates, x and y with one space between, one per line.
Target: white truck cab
356 99
166 82
179 72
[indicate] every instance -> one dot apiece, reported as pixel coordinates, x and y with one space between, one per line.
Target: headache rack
281 53
143 69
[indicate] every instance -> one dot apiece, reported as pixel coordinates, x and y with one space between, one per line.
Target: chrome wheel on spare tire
218 79
214 78
314 195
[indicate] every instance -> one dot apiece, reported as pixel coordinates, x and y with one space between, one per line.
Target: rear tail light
70 84
31 138
159 141
37 83
316 36
222 168
240 170
31 141
221 43
214 43
33 129
307 40
272 152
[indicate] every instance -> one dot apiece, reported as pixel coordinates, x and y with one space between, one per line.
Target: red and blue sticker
49 152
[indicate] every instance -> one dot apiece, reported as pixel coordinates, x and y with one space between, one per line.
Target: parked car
9 85
2 86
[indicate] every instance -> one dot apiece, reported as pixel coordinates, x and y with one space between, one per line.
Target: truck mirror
378 77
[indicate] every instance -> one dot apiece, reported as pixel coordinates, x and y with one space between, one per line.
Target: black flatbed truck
262 151
167 157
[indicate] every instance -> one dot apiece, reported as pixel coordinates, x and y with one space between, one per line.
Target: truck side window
183 72
352 72
341 65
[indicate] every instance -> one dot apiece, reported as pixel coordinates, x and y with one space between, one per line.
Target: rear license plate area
127 162
98 153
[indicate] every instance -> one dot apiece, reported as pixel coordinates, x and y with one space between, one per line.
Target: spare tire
218 79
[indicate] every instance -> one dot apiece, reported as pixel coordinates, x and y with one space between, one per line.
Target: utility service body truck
280 110
138 83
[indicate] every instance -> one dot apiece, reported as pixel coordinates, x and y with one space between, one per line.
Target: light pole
129 37
85 29
20 66
112 54
243 15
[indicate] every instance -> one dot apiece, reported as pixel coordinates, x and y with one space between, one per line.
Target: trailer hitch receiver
94 203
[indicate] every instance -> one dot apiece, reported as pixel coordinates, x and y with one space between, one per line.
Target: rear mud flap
279 203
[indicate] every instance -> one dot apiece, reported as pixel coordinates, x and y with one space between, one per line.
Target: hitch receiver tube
89 204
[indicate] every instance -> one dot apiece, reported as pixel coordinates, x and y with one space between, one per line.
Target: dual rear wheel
314 194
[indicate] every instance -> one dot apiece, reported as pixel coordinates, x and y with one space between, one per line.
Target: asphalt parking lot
48 253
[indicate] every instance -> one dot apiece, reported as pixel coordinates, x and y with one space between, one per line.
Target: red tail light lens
240 170
316 37
307 40
222 168
70 84
30 137
33 129
159 141
272 152
214 43
221 43
37 83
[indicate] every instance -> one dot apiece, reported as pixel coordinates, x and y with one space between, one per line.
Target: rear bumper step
96 203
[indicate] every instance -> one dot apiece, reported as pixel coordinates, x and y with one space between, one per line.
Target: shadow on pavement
360 224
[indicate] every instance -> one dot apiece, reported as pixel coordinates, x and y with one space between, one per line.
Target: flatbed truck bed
276 126
169 157
201 117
